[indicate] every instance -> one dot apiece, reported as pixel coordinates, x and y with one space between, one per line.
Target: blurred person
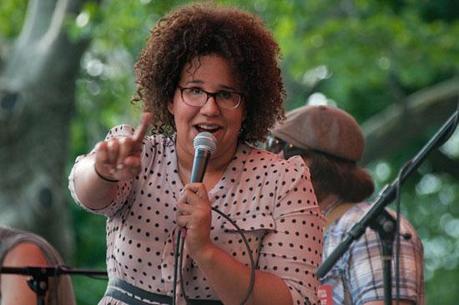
22 249
331 143
214 69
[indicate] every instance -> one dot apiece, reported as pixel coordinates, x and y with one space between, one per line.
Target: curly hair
202 29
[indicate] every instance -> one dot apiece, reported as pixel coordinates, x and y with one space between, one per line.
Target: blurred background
66 76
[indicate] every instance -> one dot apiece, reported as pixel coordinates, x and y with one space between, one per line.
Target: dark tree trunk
37 97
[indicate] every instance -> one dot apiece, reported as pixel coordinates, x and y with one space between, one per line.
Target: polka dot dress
270 199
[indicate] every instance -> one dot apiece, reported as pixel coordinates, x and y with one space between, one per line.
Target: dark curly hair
202 29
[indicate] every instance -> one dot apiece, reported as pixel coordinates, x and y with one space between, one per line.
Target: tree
37 88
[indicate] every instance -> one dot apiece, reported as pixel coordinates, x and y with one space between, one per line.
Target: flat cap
323 128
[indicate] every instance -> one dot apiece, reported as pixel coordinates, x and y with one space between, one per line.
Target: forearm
230 280
92 191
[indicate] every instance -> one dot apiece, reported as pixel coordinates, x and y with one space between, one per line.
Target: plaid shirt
357 277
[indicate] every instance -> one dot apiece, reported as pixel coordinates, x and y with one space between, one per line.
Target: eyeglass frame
211 94
288 150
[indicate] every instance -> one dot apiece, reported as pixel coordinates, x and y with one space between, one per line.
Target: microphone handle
201 157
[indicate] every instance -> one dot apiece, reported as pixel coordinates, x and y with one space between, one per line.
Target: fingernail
119 166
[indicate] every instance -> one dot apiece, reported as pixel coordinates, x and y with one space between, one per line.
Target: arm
14 288
96 176
365 274
228 277
230 280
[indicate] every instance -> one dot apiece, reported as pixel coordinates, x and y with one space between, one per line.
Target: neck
329 203
333 208
215 167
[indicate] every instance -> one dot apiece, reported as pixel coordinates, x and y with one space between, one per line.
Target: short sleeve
293 251
364 272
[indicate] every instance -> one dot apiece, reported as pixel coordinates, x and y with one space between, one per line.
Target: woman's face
211 73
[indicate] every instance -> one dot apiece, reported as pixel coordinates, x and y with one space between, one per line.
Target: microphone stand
39 276
378 218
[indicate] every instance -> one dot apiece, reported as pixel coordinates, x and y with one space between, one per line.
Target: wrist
206 255
102 177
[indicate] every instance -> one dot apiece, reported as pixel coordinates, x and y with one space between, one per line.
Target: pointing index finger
141 130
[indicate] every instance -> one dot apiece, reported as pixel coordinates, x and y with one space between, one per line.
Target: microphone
204 144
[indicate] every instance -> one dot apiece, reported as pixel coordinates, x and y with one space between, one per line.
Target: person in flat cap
331 143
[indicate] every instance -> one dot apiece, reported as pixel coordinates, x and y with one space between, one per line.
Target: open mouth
208 128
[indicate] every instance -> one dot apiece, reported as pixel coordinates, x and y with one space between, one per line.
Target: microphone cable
397 230
178 261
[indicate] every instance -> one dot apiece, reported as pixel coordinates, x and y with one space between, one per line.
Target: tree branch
36 23
399 125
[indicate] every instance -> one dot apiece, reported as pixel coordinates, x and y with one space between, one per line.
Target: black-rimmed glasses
198 97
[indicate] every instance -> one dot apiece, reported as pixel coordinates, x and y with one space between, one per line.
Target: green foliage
367 46
363 54
91 248
12 15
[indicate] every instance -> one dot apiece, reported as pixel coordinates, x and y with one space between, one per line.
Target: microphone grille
205 140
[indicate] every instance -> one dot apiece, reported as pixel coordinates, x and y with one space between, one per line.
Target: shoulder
407 229
279 176
358 210
123 130
355 213
25 253
274 163
348 219
126 130
151 141
19 248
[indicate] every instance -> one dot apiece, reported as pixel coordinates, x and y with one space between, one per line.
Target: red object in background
325 293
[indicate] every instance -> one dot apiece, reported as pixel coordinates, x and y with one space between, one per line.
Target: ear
170 107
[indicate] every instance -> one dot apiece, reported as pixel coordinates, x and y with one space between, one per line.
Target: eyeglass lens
198 97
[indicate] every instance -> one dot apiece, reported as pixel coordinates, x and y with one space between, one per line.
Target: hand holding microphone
193 208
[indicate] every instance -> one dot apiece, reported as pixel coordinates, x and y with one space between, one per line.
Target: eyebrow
200 82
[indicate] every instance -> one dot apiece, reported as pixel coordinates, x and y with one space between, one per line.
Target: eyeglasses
195 96
276 145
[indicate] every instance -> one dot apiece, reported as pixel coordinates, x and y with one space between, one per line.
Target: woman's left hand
194 213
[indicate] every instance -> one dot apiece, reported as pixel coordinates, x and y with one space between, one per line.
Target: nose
210 107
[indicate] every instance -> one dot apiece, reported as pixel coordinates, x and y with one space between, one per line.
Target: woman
331 143
212 69
24 249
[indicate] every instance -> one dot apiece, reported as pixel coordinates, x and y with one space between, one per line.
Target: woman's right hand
119 158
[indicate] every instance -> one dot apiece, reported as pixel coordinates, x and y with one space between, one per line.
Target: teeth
208 127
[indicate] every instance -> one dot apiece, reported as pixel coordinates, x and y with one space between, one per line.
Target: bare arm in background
14 288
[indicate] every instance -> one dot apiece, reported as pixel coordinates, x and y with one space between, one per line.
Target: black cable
249 251
95 277
182 245
397 230
178 259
